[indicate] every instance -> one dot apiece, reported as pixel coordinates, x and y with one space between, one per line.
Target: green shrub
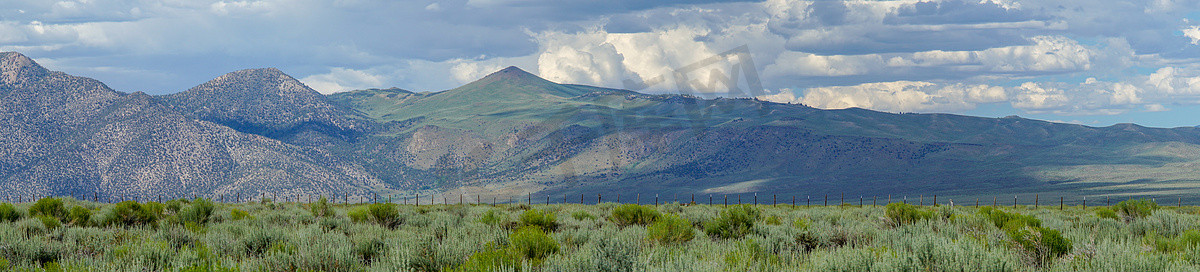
532 243
1027 231
174 205
539 218
630 214
491 217
1003 219
321 208
369 249
801 223
1136 208
734 222
52 207
902 214
750 256
9 213
129 213
31 226
1043 242
1185 241
490 260
1189 238
772 220
197 213
670 229
49 222
359 214
259 240
1107 213
385 214
79 216
237 214
155 208
583 215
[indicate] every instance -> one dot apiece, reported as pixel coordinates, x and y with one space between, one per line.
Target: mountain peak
14 66
510 74
256 72
264 101
512 69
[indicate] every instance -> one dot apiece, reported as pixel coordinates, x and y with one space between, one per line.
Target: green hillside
512 132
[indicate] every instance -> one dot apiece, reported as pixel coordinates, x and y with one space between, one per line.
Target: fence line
418 200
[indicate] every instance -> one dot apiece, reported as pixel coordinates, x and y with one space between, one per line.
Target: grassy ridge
199 235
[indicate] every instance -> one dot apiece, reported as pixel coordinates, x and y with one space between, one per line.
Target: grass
263 236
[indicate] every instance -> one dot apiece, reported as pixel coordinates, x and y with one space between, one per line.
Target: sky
1096 62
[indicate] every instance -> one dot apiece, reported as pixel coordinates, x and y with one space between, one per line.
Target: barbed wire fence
1050 201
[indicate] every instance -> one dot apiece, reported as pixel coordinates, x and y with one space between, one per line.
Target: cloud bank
1103 57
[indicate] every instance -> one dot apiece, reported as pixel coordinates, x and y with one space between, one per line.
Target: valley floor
181 235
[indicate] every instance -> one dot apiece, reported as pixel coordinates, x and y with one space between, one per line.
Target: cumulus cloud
1192 32
897 96
900 55
342 79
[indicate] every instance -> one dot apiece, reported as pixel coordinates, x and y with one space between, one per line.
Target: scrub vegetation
64 234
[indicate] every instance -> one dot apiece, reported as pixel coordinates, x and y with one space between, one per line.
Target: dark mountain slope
270 103
513 128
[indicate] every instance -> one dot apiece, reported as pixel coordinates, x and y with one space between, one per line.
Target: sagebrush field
199 235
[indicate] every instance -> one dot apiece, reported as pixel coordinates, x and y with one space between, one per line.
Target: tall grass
186 235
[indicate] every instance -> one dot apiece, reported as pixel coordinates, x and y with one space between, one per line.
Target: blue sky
1090 62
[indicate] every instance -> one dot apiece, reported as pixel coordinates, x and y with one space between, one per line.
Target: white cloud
342 79
896 96
241 7
466 71
1155 108
609 59
1192 32
902 55
1034 96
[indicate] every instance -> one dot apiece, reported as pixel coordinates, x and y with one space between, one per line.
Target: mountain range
512 133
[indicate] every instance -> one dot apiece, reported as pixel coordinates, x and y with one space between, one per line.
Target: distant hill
513 133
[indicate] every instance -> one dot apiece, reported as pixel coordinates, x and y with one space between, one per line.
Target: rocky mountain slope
67 135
